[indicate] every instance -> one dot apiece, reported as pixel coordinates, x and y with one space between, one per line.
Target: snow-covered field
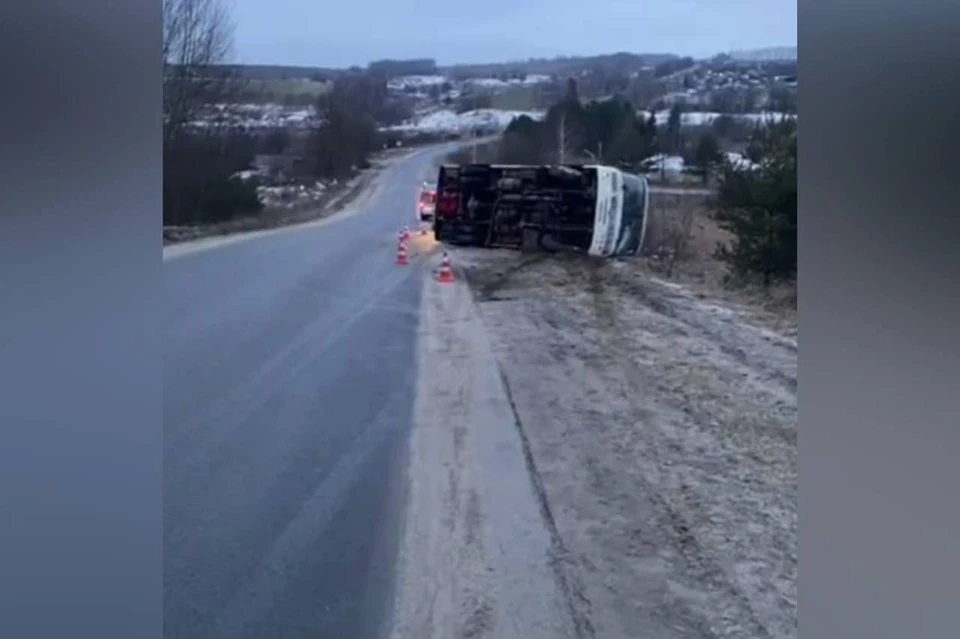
272 116
416 81
674 164
425 81
701 118
496 83
445 120
258 116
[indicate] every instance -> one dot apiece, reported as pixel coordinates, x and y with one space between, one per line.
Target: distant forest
622 62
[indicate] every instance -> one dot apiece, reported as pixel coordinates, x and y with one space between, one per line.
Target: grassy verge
335 198
682 237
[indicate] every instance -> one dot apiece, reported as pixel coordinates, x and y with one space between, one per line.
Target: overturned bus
595 209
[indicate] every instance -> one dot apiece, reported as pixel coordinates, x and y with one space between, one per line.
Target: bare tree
670 231
198 164
678 238
569 140
197 36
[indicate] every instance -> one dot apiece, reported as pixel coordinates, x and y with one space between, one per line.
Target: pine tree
652 136
673 127
573 94
707 154
759 208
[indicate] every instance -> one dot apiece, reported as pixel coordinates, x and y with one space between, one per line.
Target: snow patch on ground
675 164
664 163
449 121
740 162
291 195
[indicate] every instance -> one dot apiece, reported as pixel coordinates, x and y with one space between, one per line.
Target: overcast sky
340 33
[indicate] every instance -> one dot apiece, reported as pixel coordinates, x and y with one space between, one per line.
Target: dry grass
682 236
681 240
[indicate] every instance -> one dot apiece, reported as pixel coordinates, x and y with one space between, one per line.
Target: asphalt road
288 388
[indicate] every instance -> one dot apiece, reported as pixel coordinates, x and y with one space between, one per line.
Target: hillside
281 72
426 97
620 61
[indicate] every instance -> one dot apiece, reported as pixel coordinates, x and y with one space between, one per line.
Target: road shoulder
478 558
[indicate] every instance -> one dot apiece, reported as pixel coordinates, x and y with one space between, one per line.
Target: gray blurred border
81 348
80 341
880 361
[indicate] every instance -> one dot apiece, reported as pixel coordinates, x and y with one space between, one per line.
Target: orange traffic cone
445 275
401 255
405 234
